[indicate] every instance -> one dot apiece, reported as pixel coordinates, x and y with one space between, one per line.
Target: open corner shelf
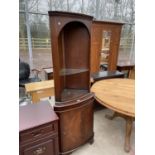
68 94
70 36
65 71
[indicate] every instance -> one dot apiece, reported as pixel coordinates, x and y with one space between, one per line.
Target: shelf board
69 94
72 71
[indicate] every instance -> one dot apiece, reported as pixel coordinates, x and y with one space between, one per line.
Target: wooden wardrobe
105 38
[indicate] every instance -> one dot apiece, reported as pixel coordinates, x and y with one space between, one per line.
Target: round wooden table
119 96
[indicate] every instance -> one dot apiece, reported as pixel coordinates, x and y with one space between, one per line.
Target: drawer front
45 148
38 132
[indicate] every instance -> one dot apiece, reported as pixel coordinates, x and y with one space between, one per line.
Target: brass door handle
40 150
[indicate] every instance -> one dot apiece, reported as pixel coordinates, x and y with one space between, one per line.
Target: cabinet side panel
55 41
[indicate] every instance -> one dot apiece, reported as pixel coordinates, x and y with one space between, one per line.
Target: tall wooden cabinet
105 40
71 41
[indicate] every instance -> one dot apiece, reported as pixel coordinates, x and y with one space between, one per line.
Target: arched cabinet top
69 14
60 19
78 23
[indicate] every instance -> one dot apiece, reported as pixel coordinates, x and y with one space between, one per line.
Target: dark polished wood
123 65
76 122
106 75
126 65
48 73
71 41
96 43
38 130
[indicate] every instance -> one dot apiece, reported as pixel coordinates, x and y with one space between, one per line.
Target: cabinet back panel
77 45
77 81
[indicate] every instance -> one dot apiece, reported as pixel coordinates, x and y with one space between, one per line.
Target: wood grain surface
35 86
39 90
116 94
34 115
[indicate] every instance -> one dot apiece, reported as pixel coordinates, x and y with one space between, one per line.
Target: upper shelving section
71 39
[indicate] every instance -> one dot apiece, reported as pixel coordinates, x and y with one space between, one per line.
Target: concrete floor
109 136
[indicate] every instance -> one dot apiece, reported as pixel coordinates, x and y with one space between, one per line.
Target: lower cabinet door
44 148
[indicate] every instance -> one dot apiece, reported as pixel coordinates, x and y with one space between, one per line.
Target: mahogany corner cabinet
71 42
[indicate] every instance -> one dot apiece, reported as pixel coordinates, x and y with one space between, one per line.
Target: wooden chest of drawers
38 130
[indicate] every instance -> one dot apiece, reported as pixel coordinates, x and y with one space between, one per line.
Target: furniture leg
129 121
113 116
129 73
91 140
35 98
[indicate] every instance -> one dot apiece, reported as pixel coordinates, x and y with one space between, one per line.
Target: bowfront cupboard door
76 122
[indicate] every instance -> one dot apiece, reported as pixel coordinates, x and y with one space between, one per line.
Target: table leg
129 121
129 73
35 97
111 117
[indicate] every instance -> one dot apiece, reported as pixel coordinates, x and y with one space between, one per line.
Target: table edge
114 108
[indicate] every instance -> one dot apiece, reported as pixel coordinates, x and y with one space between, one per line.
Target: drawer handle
40 150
